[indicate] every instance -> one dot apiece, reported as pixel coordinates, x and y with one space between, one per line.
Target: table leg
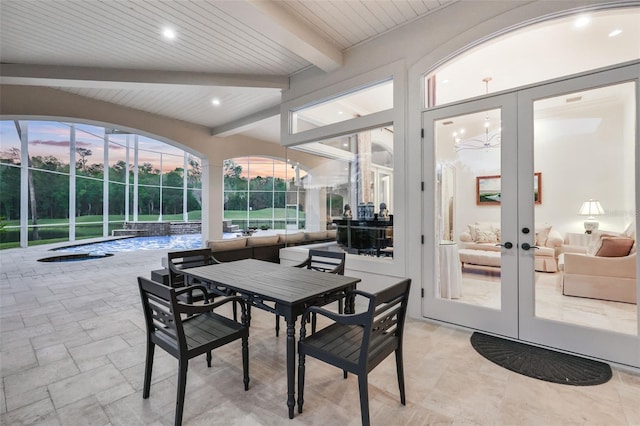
291 364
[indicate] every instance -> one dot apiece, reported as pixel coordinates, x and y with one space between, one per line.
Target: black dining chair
178 261
357 343
186 331
332 262
184 259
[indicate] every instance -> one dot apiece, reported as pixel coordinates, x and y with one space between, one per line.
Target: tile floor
72 353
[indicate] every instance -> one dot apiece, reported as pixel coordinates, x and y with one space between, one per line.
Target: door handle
505 245
527 246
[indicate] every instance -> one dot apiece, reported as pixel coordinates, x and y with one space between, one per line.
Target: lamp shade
591 208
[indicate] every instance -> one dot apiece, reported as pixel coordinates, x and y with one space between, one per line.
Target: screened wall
64 181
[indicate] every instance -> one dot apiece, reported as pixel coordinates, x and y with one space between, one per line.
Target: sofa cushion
262 241
313 236
296 237
332 234
614 246
227 244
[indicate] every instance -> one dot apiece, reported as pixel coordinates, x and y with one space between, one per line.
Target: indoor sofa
607 271
479 246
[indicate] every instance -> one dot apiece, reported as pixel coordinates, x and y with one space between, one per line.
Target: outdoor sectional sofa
264 247
253 247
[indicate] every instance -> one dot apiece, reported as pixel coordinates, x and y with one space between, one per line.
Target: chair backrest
326 261
185 259
384 322
162 316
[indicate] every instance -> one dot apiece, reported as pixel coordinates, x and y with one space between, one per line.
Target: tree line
49 187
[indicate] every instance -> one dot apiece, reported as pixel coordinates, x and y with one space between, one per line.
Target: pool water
173 242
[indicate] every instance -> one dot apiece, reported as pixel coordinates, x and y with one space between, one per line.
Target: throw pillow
614 247
631 230
474 231
596 240
484 236
542 233
465 237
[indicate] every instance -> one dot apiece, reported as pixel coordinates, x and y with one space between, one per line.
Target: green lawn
57 230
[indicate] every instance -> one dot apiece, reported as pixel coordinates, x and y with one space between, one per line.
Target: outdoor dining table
279 289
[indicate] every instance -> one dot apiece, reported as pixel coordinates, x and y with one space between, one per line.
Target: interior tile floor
481 286
72 347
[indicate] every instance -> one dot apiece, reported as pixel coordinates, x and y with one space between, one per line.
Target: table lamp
591 208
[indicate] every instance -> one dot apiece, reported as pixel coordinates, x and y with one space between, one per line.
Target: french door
507 179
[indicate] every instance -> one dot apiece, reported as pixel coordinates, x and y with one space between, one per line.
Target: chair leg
209 359
364 398
340 306
301 360
182 386
277 325
313 323
400 370
148 367
245 362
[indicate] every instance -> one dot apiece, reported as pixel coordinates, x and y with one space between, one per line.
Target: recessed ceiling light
582 21
169 34
445 81
340 112
615 32
215 101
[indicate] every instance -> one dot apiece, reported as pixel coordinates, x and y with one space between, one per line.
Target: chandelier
491 138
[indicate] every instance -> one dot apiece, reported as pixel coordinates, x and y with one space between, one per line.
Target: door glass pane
468 208
586 263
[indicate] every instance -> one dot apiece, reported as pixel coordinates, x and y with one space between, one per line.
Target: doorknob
527 246
505 245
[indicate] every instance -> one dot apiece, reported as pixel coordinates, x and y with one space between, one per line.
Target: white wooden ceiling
240 52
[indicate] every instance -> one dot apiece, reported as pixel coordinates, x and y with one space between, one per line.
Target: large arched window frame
47 200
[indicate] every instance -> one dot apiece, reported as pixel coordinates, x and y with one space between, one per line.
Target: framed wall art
488 190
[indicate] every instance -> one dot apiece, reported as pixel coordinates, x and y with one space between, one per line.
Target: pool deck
72 345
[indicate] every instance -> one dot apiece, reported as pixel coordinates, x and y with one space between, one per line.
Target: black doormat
540 363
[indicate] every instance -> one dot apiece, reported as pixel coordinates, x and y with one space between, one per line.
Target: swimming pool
173 242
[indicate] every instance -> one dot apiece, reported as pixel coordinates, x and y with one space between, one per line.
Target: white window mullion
126 183
135 178
185 188
105 188
24 183
72 183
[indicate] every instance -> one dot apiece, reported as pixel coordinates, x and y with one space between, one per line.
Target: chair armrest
190 288
209 307
618 267
346 319
303 264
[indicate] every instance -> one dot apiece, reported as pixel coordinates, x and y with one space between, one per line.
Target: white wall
583 153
